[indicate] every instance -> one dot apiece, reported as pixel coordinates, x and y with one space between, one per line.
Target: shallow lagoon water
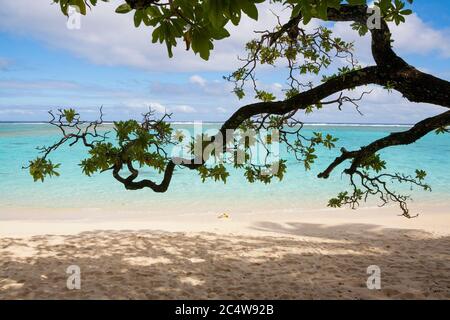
298 190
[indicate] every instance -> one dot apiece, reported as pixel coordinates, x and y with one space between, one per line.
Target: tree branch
390 71
415 85
395 139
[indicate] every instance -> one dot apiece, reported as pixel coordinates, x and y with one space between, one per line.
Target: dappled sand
302 261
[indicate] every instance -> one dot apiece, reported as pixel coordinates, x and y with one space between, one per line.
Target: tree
199 23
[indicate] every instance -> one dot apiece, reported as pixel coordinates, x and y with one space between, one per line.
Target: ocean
299 189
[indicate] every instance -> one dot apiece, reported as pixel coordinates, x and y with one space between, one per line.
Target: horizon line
220 122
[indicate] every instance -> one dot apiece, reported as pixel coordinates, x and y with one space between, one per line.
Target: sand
265 255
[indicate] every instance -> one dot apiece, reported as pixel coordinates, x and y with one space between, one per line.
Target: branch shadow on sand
301 261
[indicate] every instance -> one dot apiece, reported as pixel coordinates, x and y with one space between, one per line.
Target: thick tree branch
399 138
365 76
415 85
131 185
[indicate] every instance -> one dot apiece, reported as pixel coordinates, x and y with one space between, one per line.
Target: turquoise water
299 189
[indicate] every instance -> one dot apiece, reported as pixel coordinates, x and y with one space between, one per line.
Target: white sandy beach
261 255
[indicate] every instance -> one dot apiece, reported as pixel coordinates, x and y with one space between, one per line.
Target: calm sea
299 189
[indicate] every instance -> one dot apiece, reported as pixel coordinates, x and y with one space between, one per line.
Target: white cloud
412 37
16 112
415 36
37 85
183 109
108 38
145 105
196 79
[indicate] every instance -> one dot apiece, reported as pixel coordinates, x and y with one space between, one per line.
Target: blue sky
43 66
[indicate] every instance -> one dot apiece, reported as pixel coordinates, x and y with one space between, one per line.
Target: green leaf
123 8
69 114
138 17
81 5
249 9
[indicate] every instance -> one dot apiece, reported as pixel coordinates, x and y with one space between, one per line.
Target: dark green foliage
199 22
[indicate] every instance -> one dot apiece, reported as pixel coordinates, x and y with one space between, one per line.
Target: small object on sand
224 216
